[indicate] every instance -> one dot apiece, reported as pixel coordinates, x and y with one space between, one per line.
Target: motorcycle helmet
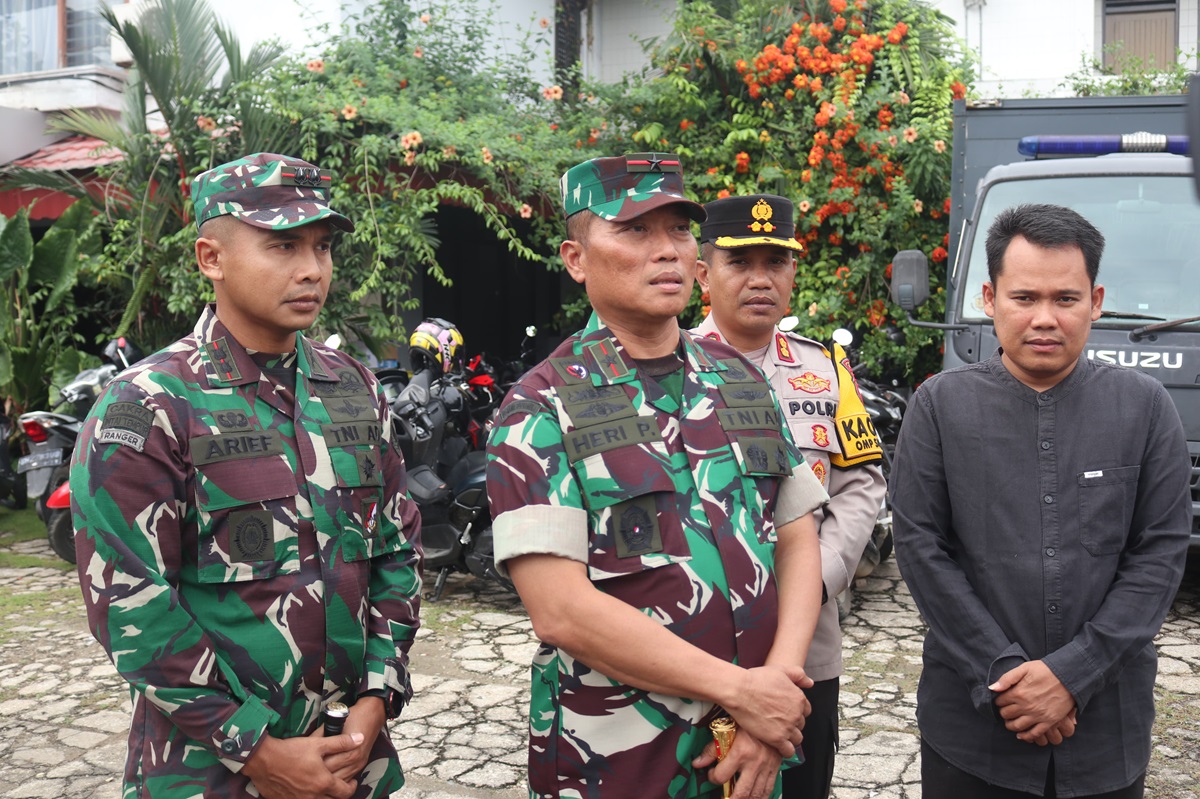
435 344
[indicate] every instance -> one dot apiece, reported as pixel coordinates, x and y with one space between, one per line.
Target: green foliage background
414 109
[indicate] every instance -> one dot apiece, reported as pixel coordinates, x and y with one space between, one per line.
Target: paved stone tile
64 710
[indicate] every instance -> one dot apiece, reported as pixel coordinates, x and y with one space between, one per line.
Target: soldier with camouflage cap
747 266
246 547
656 519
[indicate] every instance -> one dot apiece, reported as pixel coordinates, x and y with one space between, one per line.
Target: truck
1121 163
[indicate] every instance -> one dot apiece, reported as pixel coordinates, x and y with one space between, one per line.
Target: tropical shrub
842 106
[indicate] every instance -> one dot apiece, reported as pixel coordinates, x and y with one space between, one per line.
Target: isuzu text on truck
1121 163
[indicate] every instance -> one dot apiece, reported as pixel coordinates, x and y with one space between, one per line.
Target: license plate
39 460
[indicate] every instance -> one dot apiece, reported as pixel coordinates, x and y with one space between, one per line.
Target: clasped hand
1035 704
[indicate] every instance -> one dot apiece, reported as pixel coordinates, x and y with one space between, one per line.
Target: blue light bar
1039 146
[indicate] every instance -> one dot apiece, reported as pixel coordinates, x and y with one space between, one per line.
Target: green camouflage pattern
679 525
269 191
247 552
625 187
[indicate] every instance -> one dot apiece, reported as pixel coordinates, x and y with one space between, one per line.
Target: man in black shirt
1042 516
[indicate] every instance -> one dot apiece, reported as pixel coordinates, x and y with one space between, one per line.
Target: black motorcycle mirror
122 352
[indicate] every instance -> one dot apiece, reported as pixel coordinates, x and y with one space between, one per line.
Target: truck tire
61 533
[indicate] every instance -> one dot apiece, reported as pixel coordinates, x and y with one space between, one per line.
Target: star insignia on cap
655 163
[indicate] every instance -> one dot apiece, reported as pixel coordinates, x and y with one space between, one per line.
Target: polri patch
126 423
634 527
251 536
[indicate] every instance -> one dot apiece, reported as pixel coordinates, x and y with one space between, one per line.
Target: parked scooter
51 437
13 493
434 424
886 408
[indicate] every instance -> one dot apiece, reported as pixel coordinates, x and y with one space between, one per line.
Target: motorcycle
886 408
51 437
436 424
13 492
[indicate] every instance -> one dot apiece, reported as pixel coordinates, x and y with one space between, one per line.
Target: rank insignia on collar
222 360
762 213
604 353
810 383
783 349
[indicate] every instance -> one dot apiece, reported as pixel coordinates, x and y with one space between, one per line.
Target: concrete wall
613 30
1030 46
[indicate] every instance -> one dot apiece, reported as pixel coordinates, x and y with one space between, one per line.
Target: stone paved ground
63 709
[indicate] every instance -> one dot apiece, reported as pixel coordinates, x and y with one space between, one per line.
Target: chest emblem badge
818 469
820 434
810 383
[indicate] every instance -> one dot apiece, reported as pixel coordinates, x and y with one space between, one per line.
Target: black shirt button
1053 608
1050 552
229 746
1049 500
1045 445
1044 398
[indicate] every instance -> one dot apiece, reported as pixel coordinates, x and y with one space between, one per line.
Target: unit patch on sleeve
126 423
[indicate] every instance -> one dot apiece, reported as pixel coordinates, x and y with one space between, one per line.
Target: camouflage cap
747 221
269 191
626 186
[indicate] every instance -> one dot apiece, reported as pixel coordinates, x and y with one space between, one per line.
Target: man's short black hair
1049 226
578 225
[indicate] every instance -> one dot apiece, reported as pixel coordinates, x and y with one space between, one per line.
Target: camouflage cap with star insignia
269 191
627 186
746 221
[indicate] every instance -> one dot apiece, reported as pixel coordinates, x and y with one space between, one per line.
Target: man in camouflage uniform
656 519
747 267
247 551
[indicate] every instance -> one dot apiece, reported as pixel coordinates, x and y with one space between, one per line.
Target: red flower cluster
897 33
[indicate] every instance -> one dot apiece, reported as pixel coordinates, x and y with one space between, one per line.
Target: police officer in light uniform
747 267
247 550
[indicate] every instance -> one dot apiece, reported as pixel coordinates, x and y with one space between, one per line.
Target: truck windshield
1151 227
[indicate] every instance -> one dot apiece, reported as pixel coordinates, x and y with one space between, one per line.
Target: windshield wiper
1126 315
1139 332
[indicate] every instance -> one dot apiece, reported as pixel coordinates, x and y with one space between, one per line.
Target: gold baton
723 731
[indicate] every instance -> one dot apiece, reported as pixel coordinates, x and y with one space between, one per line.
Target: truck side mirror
1193 123
910 279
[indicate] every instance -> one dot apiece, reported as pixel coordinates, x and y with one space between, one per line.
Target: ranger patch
634 527
126 423
251 536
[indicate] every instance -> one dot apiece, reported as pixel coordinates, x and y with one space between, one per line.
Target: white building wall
613 31
1028 47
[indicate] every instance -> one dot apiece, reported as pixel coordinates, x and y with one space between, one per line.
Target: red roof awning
77 154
